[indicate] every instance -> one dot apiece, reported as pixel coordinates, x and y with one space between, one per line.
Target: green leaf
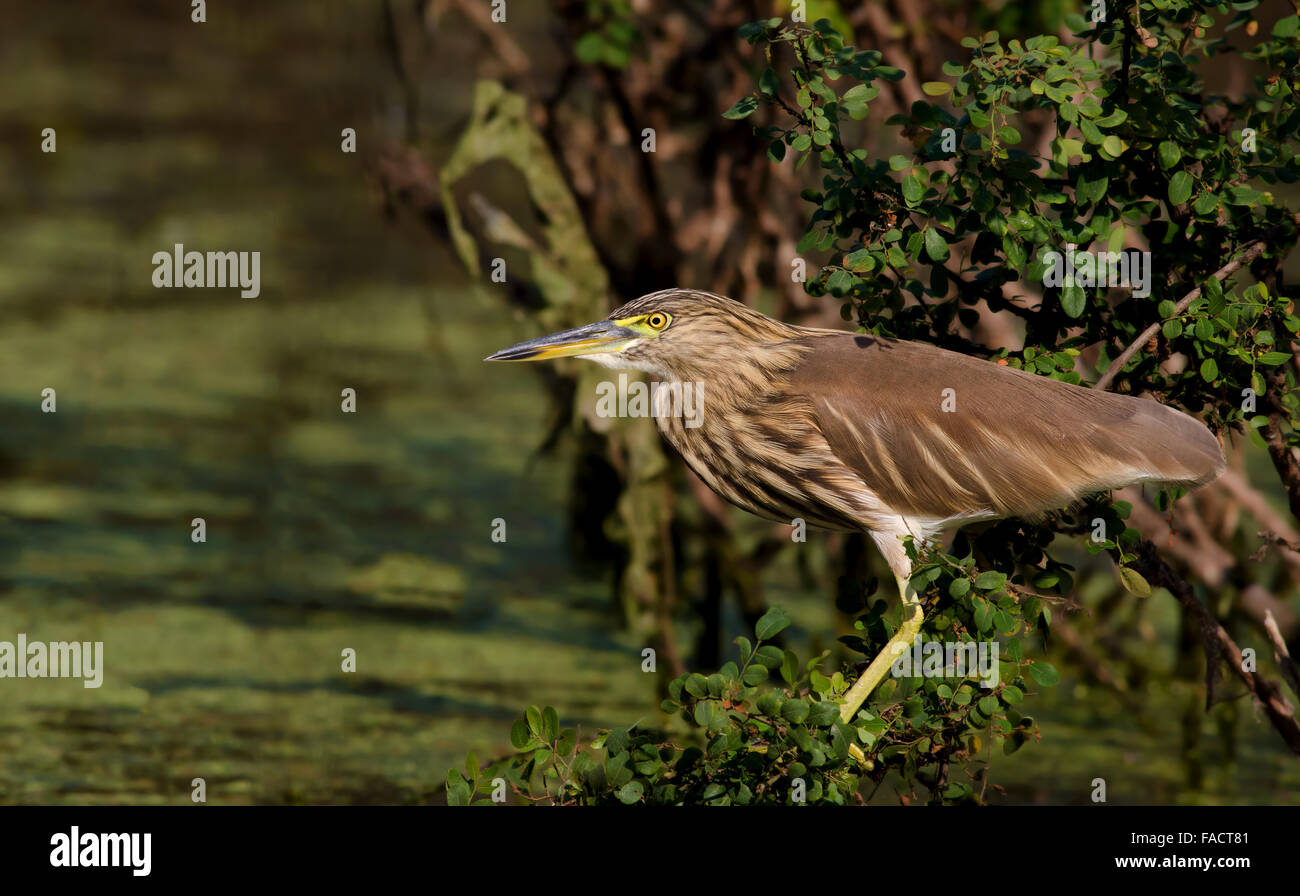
861 93
1180 188
840 282
773 622
1205 204
743 108
1168 154
1133 582
590 48
1116 240
988 581
617 741
1044 673
795 710
1114 119
1073 300
936 88
819 682
913 189
823 713
789 667
457 791
630 793
935 245
768 82
1112 146
1209 372
988 705
860 261
519 736
770 703
703 714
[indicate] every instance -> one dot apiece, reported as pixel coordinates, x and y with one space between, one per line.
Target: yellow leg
879 668
888 540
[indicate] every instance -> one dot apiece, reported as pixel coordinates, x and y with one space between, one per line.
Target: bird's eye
658 320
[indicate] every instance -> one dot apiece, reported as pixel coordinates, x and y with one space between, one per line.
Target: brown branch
1278 532
1218 645
1056 599
504 48
1284 459
1257 602
1253 251
1281 655
1194 546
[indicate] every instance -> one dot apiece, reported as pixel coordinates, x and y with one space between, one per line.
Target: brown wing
1001 443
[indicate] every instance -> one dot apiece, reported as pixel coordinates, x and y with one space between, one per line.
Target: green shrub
767 729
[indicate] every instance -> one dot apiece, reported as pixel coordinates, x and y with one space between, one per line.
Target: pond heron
867 434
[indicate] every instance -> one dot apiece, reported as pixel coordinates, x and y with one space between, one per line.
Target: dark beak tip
510 354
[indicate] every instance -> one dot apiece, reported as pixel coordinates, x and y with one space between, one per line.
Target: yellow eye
658 320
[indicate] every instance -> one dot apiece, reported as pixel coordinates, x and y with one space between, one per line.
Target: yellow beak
594 339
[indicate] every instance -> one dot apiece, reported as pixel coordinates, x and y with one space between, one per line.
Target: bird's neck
707 399
745 372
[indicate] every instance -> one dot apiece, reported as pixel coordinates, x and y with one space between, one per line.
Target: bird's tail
1179 450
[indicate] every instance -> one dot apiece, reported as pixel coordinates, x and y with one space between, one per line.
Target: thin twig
1253 251
1290 672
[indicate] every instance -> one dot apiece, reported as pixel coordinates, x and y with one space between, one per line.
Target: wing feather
1001 443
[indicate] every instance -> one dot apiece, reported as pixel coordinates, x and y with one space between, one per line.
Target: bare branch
1281 655
1253 251
1219 645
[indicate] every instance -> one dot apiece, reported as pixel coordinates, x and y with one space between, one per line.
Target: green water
325 531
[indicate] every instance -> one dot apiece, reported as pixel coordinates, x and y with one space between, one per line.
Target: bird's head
669 334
